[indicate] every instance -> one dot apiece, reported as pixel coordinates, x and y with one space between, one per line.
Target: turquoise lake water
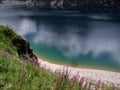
79 38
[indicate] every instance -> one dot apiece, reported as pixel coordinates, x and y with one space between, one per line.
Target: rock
23 47
68 3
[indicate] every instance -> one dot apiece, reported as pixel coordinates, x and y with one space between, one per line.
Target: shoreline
76 66
105 76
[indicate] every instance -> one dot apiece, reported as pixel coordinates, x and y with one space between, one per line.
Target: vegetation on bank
21 70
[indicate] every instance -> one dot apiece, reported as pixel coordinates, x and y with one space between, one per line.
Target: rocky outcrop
15 43
68 3
23 47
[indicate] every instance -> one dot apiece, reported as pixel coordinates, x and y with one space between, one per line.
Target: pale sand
94 74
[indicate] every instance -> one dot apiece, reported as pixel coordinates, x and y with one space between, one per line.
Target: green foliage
8 32
18 75
5 42
6 37
12 78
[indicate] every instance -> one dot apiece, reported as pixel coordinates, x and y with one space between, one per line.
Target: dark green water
71 37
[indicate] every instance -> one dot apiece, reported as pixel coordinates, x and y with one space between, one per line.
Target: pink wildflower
81 81
113 86
7 55
23 71
66 71
98 84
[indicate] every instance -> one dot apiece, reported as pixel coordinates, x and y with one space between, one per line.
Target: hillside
20 69
17 70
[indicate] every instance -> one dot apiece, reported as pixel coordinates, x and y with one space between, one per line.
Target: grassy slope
24 74
16 75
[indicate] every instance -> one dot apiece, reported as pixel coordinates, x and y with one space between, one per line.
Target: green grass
18 73
6 36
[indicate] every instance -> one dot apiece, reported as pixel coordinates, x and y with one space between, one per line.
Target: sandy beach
94 74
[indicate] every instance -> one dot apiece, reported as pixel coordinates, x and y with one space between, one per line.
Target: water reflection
72 35
99 40
27 26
